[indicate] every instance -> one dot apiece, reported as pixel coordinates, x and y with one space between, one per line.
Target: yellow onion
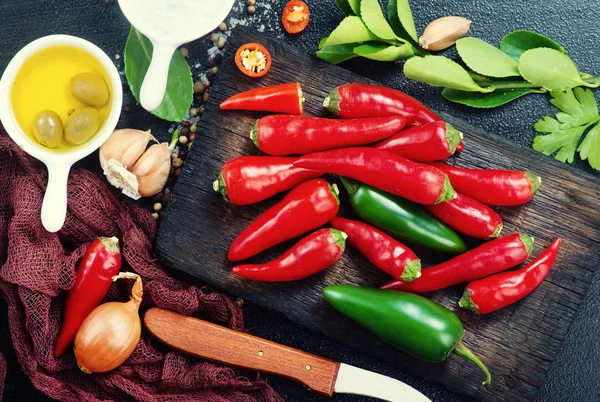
111 332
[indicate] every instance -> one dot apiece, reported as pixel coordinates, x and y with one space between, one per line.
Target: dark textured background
574 377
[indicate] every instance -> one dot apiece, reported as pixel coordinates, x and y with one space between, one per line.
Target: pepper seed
183 140
222 26
155 216
157 207
251 2
199 87
214 70
221 43
184 52
251 9
214 37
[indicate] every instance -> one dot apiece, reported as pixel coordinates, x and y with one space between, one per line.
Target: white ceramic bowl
54 207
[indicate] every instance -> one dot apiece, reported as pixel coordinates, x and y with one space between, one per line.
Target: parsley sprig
578 115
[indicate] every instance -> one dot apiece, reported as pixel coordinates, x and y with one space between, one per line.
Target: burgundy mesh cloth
38 267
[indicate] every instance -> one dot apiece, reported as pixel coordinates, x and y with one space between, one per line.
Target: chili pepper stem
350 185
254 134
332 102
111 244
535 181
467 303
497 231
461 350
339 238
335 191
453 136
448 192
527 241
174 140
219 186
412 271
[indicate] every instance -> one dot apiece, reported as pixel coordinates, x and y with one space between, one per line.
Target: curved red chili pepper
381 250
93 277
250 179
468 216
285 98
298 135
493 187
500 290
430 142
489 258
306 207
310 255
417 182
362 100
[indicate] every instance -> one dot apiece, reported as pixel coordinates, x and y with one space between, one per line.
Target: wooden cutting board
518 343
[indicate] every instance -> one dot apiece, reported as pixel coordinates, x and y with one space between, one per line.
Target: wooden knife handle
214 342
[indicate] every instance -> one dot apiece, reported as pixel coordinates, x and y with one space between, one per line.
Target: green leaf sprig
578 115
526 62
365 32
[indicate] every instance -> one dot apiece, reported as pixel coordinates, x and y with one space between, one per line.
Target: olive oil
43 84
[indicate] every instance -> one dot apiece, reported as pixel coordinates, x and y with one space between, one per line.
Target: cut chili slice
295 16
253 59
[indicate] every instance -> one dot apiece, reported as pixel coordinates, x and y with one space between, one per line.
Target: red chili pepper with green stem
93 278
430 142
417 182
497 291
381 250
489 258
310 255
493 187
285 98
251 179
355 100
468 216
307 207
298 135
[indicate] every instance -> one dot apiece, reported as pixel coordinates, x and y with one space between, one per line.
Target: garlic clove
123 179
442 33
124 146
152 169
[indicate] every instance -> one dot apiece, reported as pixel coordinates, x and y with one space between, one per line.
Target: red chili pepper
362 100
253 59
102 261
489 258
295 16
460 147
308 206
381 250
384 170
430 142
310 255
500 290
468 216
285 98
299 135
493 187
250 179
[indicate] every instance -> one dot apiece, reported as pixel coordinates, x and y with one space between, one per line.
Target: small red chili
295 16
307 207
468 216
493 187
500 290
310 255
102 261
250 179
285 98
417 182
253 59
489 258
430 142
381 250
363 100
299 135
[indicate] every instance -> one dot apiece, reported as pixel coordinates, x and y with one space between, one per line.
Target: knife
214 342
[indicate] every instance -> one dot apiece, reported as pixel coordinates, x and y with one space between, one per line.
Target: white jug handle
155 82
54 206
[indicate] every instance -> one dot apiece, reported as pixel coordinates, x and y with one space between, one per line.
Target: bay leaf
372 16
344 6
484 100
180 87
351 30
440 71
401 20
551 69
486 59
384 52
516 43
337 53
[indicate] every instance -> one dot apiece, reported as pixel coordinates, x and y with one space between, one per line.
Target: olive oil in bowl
44 84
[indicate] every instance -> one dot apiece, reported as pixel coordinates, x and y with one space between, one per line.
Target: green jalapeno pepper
402 219
410 322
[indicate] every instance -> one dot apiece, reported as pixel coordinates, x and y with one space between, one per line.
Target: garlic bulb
442 33
129 166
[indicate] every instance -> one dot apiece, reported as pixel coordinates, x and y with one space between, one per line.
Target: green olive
90 89
82 125
48 128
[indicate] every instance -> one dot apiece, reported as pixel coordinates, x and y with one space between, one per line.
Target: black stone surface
574 376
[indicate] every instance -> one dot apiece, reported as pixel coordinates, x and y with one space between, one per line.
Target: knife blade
214 342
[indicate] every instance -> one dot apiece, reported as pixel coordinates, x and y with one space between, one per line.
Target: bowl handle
54 206
155 82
